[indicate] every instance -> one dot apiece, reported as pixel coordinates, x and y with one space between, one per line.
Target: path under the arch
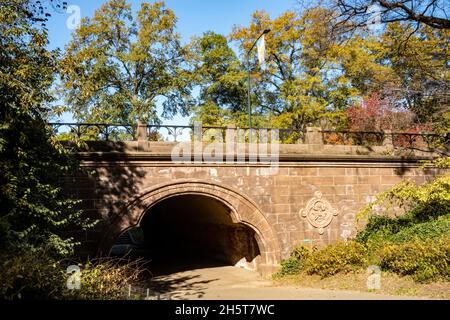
231 283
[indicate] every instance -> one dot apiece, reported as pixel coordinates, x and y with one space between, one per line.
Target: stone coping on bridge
143 150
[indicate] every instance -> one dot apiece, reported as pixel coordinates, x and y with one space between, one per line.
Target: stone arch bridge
239 211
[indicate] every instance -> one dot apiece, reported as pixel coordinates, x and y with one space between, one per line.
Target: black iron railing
178 133
182 133
397 140
173 133
421 141
94 131
370 138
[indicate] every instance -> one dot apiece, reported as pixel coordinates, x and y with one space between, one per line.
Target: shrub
426 211
294 264
30 275
109 279
382 229
423 231
36 275
423 260
340 257
289 266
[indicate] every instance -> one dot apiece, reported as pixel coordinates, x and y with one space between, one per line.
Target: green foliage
109 279
417 242
33 209
298 84
315 70
295 263
118 65
416 58
26 67
426 201
36 275
30 275
423 231
423 260
382 229
440 163
289 266
221 79
426 207
340 257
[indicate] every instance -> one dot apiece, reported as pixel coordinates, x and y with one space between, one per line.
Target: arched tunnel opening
190 232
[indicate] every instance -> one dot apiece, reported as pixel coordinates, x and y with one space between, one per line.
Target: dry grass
391 284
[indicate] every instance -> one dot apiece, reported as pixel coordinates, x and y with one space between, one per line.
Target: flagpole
249 103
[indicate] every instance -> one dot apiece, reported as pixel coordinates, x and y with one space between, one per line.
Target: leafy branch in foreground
34 211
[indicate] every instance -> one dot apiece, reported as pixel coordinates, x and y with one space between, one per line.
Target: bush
382 229
289 266
420 203
423 231
31 275
35 275
426 219
340 257
294 264
109 279
423 260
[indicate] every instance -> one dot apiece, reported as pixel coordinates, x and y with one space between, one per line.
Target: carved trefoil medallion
319 212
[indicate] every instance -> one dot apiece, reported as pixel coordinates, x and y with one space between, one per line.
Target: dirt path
230 283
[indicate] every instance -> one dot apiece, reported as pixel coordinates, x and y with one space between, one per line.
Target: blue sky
194 18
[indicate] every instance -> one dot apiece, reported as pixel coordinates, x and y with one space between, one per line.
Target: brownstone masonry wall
312 199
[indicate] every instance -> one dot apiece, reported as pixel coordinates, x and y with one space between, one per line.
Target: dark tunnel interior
189 232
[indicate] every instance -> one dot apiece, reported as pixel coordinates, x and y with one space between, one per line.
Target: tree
301 82
313 72
34 212
118 66
221 79
433 13
41 11
404 62
422 68
375 114
410 75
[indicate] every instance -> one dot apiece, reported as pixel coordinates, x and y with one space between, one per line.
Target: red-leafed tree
378 114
